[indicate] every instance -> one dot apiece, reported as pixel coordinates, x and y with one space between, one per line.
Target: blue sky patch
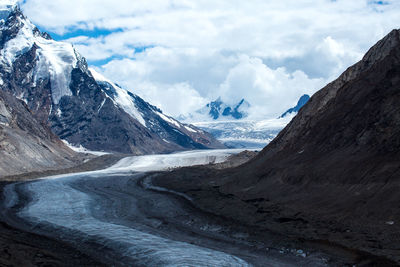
80 32
381 3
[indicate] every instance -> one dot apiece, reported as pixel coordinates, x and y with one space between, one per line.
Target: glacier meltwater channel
58 203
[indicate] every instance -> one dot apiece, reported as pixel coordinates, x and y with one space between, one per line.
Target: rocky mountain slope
26 144
81 106
333 174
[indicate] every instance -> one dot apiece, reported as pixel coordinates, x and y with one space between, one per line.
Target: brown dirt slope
27 144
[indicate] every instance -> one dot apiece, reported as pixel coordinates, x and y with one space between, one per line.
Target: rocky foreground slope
26 144
332 175
81 106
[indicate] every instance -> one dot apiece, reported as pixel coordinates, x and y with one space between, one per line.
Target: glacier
58 202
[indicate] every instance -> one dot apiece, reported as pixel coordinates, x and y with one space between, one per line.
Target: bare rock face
332 174
80 105
318 103
26 144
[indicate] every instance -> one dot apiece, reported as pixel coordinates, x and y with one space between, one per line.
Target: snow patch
81 149
168 119
189 129
126 102
102 104
123 99
100 78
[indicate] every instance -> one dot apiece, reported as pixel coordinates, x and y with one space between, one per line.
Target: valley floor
116 217
23 248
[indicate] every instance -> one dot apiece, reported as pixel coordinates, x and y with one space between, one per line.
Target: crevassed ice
61 205
165 161
55 59
56 202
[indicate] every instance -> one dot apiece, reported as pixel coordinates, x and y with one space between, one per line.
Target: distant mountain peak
8 5
217 109
300 103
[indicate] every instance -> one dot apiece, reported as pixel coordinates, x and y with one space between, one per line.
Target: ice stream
56 202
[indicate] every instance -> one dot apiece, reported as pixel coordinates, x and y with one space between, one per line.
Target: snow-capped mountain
302 101
219 110
81 106
230 125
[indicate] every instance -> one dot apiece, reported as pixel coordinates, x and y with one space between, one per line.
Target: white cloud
269 52
158 76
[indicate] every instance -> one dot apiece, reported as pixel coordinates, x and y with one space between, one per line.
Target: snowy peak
302 101
6 7
55 60
382 48
146 114
81 106
218 109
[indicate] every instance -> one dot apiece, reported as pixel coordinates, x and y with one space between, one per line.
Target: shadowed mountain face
334 172
79 104
26 144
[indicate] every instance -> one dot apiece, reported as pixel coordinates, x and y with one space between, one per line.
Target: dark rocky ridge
332 174
25 143
89 115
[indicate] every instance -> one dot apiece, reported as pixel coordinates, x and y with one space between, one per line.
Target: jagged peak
7 7
9 4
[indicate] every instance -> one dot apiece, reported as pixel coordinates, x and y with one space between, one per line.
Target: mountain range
331 175
237 131
79 105
218 109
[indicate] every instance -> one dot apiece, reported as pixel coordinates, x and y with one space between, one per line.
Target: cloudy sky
180 54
